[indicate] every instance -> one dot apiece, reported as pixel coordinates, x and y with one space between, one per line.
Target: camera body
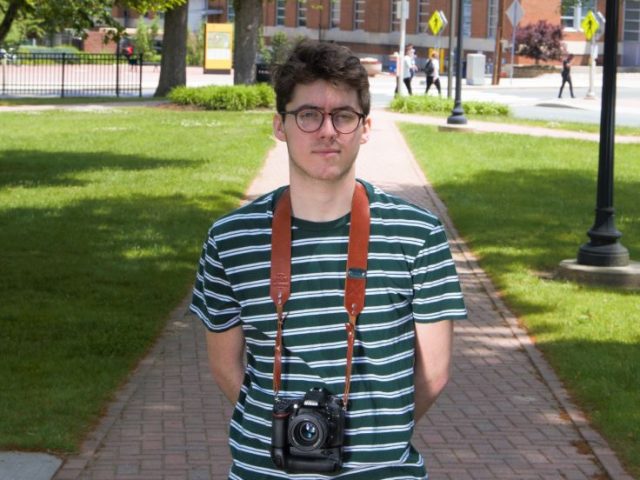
307 434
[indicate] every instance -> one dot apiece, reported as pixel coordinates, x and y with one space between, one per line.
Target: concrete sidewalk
504 415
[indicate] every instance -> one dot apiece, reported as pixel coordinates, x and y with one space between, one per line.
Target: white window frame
395 21
358 14
422 24
631 26
281 12
492 18
301 13
231 13
334 12
572 19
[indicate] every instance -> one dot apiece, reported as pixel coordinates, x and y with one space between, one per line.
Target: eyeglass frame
361 117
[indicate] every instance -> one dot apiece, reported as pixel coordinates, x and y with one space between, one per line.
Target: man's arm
432 363
226 360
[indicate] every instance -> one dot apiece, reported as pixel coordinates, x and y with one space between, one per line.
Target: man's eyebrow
316 107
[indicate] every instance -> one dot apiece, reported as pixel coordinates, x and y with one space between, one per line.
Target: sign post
515 12
402 13
590 25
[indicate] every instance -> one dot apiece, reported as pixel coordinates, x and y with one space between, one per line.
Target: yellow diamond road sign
589 25
435 22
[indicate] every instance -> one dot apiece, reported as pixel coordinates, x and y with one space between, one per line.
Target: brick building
370 28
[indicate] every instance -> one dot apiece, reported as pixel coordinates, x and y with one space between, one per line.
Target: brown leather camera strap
356 274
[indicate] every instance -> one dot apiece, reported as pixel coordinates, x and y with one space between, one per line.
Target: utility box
475 69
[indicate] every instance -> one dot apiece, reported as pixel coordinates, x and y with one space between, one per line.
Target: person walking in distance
432 69
566 76
409 67
328 303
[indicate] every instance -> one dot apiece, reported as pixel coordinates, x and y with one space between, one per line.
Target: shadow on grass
541 216
85 288
32 169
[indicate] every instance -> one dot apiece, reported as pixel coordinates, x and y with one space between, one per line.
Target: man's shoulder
385 205
256 213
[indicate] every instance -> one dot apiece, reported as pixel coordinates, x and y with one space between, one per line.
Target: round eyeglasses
311 119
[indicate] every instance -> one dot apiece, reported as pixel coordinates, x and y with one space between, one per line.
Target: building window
632 21
358 14
280 12
423 16
335 14
492 19
571 17
302 13
395 19
231 13
466 24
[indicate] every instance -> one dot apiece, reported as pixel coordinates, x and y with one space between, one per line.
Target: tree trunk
10 15
173 68
245 43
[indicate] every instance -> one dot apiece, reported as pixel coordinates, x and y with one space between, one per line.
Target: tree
173 67
540 41
248 25
52 16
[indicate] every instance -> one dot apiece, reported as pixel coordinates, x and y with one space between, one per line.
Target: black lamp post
604 248
457 114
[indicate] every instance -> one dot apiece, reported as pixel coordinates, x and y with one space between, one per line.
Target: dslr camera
307 434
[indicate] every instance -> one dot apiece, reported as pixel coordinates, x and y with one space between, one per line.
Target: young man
391 362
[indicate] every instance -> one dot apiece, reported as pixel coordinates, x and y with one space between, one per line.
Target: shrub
234 98
540 41
424 104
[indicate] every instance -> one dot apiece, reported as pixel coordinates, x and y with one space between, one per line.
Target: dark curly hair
312 60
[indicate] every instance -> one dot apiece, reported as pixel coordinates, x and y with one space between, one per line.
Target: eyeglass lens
310 120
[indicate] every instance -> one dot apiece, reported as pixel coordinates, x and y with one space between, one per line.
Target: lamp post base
607 255
626 278
457 117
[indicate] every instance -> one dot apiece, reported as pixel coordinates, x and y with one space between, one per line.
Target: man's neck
322 201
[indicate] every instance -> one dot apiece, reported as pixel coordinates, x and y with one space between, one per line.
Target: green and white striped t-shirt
410 278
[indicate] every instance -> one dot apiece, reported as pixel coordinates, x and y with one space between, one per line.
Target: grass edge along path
103 213
522 204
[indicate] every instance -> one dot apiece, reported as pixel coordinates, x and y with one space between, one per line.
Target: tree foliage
50 16
540 41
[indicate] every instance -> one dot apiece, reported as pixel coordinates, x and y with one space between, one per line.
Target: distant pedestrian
566 76
432 69
129 54
408 67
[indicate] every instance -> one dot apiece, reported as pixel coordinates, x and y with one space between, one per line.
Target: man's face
324 155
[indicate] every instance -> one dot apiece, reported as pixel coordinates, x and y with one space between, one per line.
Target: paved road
536 98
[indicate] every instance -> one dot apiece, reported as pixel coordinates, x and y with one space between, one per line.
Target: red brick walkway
503 416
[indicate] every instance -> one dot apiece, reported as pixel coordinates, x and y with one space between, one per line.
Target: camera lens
307 431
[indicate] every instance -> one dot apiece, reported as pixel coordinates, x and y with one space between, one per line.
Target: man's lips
326 151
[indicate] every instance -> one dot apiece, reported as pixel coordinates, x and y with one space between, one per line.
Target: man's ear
366 131
278 128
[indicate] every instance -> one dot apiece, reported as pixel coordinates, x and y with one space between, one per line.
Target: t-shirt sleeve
213 298
436 286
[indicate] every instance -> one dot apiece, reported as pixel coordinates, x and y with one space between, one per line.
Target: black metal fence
70 74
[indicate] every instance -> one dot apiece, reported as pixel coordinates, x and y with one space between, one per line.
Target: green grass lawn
102 218
523 204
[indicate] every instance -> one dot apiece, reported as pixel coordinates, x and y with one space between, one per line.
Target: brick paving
504 415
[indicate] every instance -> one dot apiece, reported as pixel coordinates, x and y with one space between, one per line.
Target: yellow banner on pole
218 47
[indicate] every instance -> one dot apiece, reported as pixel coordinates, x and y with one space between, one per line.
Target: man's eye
308 115
344 116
